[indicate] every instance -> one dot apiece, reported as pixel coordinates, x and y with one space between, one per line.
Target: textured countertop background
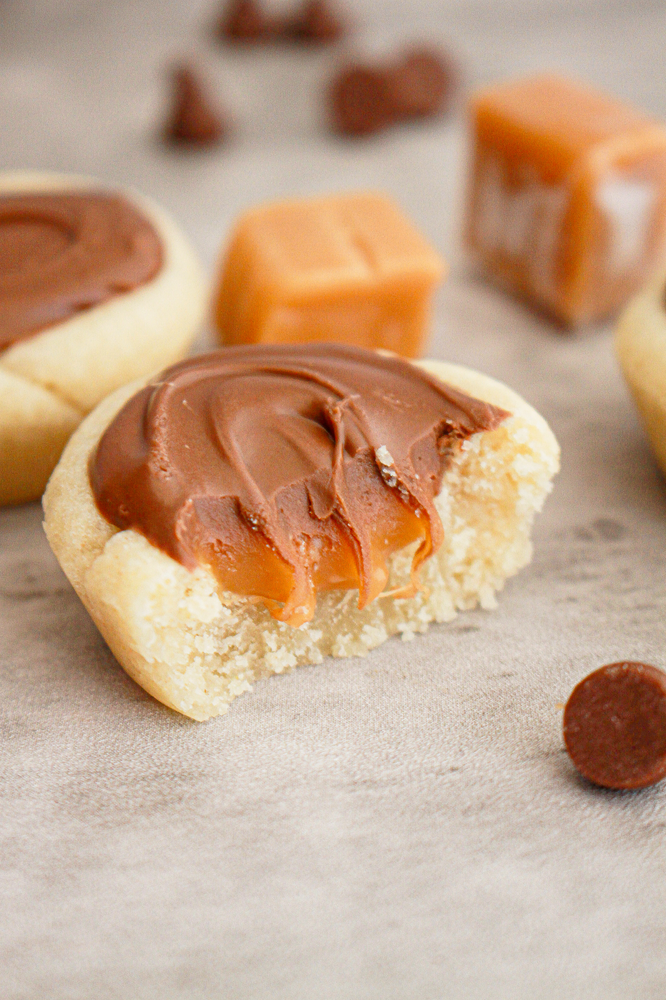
404 827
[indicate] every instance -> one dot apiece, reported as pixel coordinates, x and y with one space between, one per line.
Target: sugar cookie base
49 381
640 342
196 648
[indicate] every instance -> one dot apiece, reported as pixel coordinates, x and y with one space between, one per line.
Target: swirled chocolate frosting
286 469
61 253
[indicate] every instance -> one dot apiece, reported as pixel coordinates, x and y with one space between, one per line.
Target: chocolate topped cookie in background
63 253
97 287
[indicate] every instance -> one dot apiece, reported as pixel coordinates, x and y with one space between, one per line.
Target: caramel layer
61 253
286 469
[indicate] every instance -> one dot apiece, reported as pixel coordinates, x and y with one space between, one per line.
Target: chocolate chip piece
244 21
360 100
615 726
422 84
317 22
193 120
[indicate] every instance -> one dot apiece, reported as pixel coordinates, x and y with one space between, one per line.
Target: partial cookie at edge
640 343
34 428
67 368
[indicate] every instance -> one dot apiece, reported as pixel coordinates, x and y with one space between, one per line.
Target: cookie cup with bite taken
196 644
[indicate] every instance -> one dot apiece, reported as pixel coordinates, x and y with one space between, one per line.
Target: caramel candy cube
567 198
348 268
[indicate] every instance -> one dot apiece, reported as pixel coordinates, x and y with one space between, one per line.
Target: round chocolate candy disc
615 726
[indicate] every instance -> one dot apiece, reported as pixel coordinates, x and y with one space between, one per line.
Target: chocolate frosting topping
61 253
287 469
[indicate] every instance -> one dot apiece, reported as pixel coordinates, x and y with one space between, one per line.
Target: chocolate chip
360 100
317 22
615 726
244 21
422 84
193 120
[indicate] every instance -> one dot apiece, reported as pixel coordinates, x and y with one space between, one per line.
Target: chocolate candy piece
317 22
361 100
615 726
193 121
421 84
244 21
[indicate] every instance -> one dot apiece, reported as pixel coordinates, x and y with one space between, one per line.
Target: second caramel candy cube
567 199
349 268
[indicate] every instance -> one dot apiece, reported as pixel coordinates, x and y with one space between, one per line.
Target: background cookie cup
640 342
195 647
50 379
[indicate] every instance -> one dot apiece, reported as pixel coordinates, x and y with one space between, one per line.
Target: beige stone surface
405 826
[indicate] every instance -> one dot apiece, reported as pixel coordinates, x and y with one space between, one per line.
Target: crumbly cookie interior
196 648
